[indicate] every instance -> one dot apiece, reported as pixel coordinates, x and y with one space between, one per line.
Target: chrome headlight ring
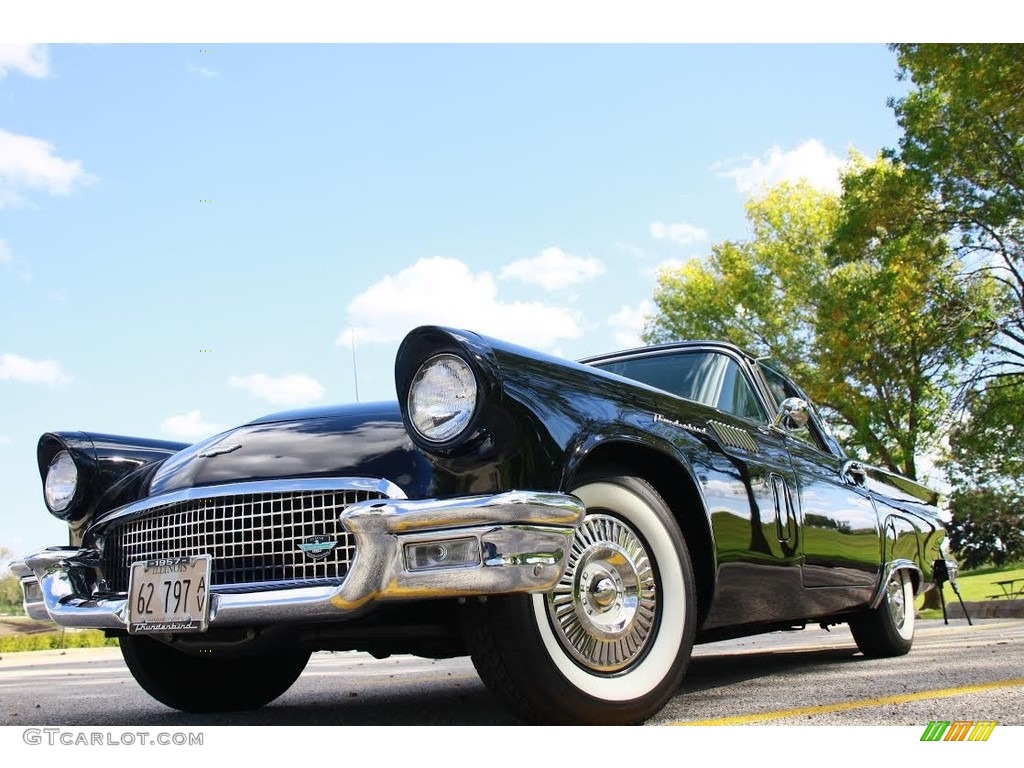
442 399
61 482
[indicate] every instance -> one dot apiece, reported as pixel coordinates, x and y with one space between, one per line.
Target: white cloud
552 269
5 440
628 323
201 71
26 161
31 60
681 233
190 426
635 251
17 266
295 389
21 369
443 291
810 161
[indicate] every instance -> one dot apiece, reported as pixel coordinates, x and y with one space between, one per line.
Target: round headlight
61 481
442 398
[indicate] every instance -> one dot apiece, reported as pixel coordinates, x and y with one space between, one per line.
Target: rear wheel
888 630
196 684
611 642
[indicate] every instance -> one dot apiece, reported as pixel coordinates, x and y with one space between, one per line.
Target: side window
782 388
710 378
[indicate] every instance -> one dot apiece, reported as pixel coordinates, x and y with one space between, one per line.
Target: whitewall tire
888 630
610 644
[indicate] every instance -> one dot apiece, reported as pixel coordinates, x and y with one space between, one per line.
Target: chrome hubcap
606 603
897 609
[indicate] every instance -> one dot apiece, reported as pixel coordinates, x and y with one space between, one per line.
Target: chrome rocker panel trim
523 537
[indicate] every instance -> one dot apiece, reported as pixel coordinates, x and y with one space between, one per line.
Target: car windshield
705 377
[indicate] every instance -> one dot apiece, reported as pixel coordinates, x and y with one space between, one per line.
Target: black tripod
943 571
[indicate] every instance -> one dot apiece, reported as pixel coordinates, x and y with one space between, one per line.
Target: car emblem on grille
318 547
217 450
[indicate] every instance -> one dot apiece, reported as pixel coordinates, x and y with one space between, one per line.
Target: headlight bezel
477 439
58 497
417 400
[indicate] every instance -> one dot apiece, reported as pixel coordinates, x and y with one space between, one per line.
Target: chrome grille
253 538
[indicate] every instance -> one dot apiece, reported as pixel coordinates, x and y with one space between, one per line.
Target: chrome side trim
523 537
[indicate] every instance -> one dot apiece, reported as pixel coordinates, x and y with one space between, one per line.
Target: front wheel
197 684
610 644
888 630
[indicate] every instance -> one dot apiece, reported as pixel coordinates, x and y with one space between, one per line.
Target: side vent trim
734 437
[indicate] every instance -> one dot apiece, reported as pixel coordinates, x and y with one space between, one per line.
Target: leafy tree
860 303
900 322
987 527
987 447
762 293
986 465
10 589
963 123
10 594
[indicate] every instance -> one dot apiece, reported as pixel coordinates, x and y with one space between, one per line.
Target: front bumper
523 538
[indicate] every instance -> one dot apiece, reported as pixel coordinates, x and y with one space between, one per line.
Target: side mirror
793 414
854 472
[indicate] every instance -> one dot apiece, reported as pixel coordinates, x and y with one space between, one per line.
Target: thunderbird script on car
573 527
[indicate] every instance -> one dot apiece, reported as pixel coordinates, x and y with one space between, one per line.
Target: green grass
45 641
976 586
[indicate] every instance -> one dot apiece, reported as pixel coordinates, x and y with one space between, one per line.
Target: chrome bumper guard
523 537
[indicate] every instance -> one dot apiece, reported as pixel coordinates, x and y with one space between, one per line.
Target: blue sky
189 233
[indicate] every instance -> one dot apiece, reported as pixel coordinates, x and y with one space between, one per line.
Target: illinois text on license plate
169 595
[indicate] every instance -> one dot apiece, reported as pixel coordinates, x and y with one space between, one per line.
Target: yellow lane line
760 717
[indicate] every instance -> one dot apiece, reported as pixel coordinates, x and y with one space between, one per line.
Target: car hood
365 440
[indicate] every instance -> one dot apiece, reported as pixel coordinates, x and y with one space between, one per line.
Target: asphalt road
811 677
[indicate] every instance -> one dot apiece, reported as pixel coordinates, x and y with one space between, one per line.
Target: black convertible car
574 527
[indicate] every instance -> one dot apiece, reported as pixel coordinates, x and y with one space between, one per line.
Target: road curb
988 609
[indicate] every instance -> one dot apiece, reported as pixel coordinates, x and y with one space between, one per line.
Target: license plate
169 595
